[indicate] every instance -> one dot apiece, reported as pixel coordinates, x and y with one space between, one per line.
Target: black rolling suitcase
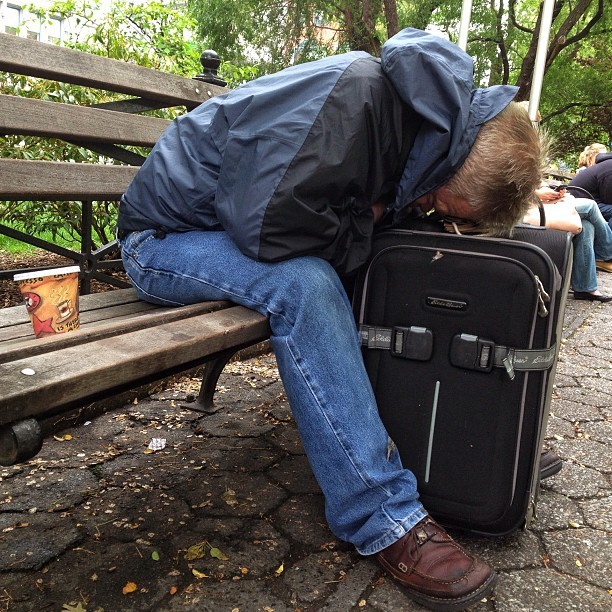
460 336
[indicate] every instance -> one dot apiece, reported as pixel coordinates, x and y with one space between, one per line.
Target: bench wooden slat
18 314
26 116
74 375
32 58
107 298
22 331
18 341
48 180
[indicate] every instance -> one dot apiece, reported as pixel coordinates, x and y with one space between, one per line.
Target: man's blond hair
502 171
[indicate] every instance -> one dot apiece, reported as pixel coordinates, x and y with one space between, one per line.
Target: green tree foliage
576 98
277 33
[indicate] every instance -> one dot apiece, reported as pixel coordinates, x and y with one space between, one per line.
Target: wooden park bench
123 342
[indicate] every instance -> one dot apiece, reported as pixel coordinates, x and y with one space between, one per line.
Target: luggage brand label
438 302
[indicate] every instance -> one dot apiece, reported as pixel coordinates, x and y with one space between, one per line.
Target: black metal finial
210 62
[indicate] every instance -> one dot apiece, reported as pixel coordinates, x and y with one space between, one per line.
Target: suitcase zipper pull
543 298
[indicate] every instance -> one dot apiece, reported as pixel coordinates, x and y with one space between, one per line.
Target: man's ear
451 204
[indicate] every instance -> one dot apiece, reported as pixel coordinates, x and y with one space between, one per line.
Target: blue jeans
593 243
606 211
370 500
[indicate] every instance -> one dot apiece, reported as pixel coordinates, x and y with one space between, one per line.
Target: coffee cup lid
50 272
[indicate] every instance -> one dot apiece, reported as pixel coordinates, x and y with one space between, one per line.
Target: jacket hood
603 157
435 78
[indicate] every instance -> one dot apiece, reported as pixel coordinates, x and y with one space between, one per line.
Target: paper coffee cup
51 299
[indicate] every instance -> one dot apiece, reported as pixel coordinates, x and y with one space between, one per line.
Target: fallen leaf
173 590
72 607
217 554
64 438
196 551
578 563
155 555
130 587
574 524
229 497
198 574
281 569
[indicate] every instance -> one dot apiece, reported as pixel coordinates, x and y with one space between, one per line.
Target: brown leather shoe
435 571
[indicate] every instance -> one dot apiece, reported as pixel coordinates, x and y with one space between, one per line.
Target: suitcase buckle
412 343
472 352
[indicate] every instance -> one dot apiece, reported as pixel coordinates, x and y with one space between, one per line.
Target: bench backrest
105 128
89 126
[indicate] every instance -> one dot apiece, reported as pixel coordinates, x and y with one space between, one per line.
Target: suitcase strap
466 351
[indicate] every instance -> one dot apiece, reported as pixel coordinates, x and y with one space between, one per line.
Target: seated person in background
587 157
596 181
592 237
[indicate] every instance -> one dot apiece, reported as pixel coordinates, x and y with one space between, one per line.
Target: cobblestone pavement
227 517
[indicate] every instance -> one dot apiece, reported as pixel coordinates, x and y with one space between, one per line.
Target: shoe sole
586 299
452 605
551 470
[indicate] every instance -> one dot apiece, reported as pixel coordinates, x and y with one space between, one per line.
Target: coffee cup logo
32 300
51 299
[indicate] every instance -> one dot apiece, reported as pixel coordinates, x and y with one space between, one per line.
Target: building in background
16 19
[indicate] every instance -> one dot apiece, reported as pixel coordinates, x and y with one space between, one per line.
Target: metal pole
540 61
464 24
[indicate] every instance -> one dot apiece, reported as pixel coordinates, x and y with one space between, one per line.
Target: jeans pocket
131 244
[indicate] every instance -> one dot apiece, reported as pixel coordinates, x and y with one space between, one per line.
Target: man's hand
378 210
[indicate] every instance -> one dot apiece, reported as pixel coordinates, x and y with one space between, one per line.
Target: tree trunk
391 16
360 26
558 42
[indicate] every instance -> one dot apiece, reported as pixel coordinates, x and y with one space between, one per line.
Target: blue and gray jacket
291 163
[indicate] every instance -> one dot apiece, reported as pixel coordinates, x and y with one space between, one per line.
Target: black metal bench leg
212 370
20 441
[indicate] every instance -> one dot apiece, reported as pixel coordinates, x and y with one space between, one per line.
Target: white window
19 22
55 30
34 29
12 19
